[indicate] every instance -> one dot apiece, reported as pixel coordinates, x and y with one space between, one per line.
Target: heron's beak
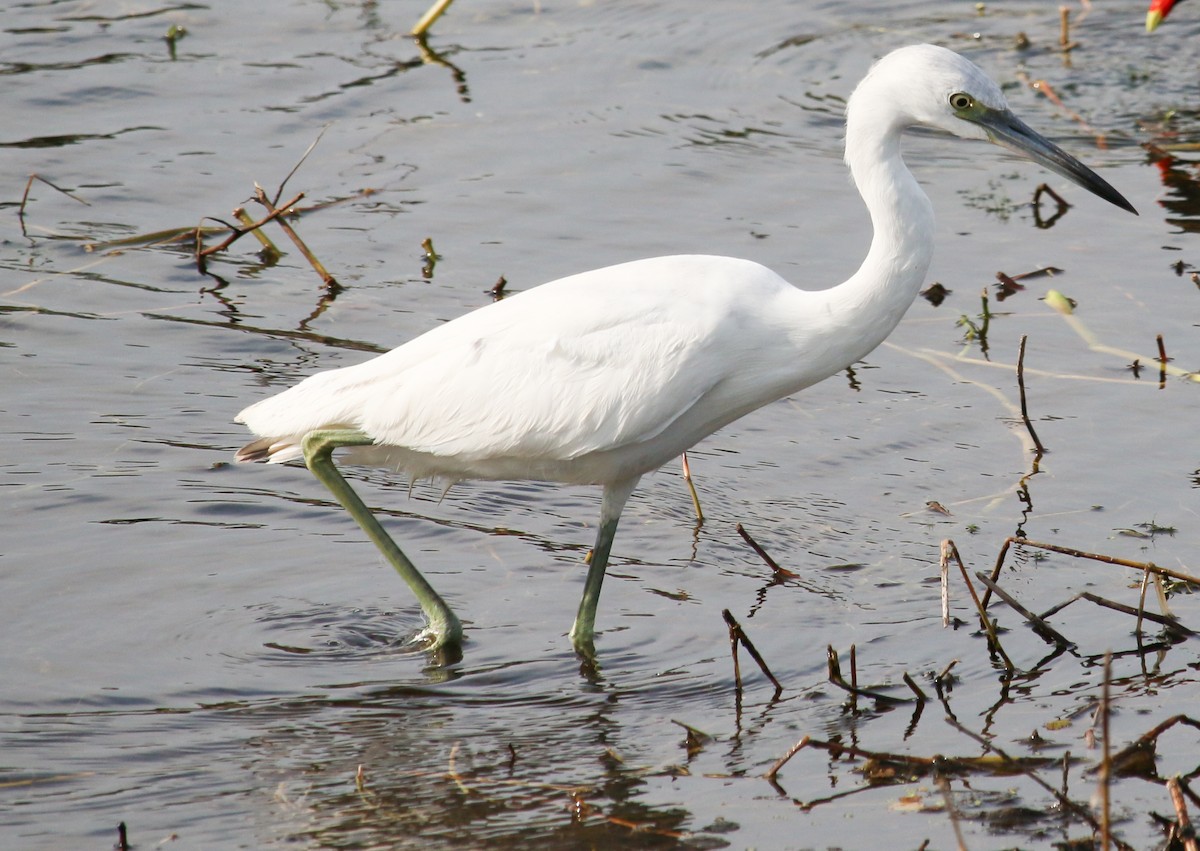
1007 130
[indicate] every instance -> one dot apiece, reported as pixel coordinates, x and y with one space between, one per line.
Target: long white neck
868 306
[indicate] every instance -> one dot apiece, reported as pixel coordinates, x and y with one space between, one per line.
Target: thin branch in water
1184 829
1041 450
248 224
835 677
261 197
771 563
1064 36
944 565
1039 625
431 14
296 167
737 633
782 761
1070 551
236 232
1106 763
979 606
25 198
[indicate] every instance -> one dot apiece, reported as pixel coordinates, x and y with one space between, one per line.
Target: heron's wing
584 364
555 383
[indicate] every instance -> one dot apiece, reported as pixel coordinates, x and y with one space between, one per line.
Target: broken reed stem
1185 830
1039 624
1141 607
1148 738
854 676
1106 763
687 477
261 197
944 561
733 648
1064 21
431 14
1041 450
1162 620
912 685
238 233
1070 551
979 606
736 633
771 563
25 199
782 761
248 223
835 676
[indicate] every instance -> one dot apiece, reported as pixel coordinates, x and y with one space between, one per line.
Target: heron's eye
961 100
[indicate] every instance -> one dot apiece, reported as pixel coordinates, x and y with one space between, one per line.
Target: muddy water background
209 652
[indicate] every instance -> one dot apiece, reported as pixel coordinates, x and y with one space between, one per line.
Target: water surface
210 652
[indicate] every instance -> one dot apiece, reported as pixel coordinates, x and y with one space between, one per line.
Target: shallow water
210 652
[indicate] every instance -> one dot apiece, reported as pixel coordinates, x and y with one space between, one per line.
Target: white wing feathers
584 364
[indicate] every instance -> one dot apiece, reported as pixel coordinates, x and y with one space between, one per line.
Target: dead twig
1165 622
1041 450
950 550
835 676
1043 629
771 563
25 198
1064 36
236 232
738 635
1106 760
261 197
782 761
1070 551
248 224
1184 829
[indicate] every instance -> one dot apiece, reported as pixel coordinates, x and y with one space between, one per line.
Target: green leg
444 626
611 504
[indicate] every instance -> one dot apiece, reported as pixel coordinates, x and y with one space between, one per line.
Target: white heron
601 377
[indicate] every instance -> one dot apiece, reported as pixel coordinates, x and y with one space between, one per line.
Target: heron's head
935 87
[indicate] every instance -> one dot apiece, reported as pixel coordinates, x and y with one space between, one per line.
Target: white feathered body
594 378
